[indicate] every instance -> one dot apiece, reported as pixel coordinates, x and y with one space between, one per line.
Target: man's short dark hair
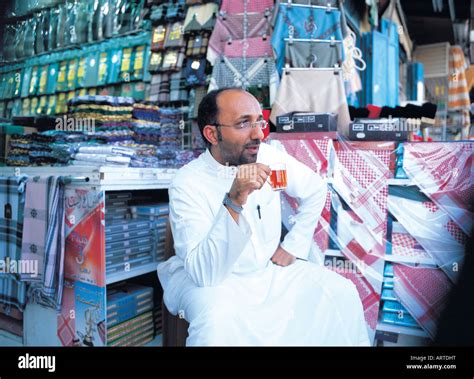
208 110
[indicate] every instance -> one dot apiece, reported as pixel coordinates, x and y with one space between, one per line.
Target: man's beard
233 157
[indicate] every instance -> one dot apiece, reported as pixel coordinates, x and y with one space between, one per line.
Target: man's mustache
253 143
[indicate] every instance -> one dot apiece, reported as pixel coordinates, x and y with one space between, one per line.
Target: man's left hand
282 258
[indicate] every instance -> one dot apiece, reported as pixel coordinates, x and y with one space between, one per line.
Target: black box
384 129
296 122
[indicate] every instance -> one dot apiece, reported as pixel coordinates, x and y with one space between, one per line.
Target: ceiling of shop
425 25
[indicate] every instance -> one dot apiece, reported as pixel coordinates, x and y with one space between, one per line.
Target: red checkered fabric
255 47
443 171
369 297
423 292
313 153
404 245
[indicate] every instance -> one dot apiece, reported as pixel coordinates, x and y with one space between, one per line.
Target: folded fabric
231 7
200 17
197 45
443 171
109 150
174 35
250 47
102 158
298 93
304 23
305 53
434 230
423 292
237 72
231 27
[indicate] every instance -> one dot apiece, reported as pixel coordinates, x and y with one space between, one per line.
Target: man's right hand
250 177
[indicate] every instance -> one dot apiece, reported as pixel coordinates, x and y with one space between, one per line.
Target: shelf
10 339
106 177
398 329
411 260
117 277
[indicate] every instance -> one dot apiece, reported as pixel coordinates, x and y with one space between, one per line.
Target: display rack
98 180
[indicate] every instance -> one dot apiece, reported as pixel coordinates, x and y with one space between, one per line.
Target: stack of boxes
129 315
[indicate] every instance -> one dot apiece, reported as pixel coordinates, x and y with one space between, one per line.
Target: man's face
238 146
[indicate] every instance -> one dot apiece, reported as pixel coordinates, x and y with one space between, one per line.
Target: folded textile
102 158
424 292
443 171
108 150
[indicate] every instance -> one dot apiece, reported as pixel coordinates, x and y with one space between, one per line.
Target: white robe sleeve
310 189
208 245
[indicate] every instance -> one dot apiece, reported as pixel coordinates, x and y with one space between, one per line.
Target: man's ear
210 133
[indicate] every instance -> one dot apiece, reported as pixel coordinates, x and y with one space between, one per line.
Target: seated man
231 278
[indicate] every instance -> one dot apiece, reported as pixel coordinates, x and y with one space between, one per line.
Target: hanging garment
240 297
439 236
173 60
195 72
250 47
443 171
304 23
200 17
312 54
405 247
158 37
230 72
160 88
174 36
297 92
43 239
197 45
12 290
231 27
423 292
232 7
458 94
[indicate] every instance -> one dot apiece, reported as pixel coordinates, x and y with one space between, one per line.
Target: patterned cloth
443 171
12 290
435 231
311 54
231 27
259 6
313 151
458 93
297 93
43 239
231 72
423 292
306 23
254 47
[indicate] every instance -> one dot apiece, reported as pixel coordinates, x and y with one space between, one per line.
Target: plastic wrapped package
371 222
20 40
81 22
96 20
53 29
9 52
39 33
29 45
61 40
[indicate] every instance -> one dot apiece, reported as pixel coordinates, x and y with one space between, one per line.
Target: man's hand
250 177
282 258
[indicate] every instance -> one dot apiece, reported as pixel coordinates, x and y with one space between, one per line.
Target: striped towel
458 94
12 290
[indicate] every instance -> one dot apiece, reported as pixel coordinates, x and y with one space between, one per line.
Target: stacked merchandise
240 49
158 215
146 123
110 117
129 243
170 137
373 226
393 312
129 315
309 39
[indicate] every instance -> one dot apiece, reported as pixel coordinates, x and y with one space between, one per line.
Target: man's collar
220 169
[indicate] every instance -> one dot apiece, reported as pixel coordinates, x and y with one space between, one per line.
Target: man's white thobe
222 279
